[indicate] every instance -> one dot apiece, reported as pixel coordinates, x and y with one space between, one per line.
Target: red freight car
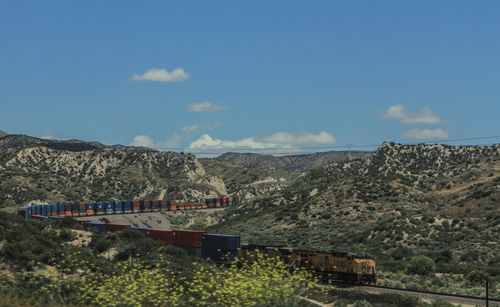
188 237
224 201
163 235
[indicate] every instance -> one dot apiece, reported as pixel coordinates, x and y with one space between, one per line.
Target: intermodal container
110 207
141 229
163 235
181 207
199 206
101 208
56 217
94 227
53 210
68 207
112 227
75 209
36 209
155 205
119 207
191 250
82 209
36 217
187 206
217 241
217 203
224 201
90 208
127 206
29 213
171 205
204 206
146 206
136 206
163 205
229 201
61 210
188 238
43 210
49 210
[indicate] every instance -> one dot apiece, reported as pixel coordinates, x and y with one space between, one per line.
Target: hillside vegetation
291 163
404 200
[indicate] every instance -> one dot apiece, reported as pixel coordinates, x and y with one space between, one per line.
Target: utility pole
487 303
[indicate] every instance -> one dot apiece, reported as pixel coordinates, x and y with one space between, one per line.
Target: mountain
291 163
35 170
437 200
2 133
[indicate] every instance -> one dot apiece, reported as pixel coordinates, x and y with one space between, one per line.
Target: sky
263 76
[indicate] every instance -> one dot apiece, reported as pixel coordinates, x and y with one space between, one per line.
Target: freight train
121 207
225 249
328 265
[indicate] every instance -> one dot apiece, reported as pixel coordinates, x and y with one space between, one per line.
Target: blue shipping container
75 208
224 242
127 206
43 210
110 207
141 229
28 213
61 208
94 227
56 217
49 210
54 209
119 207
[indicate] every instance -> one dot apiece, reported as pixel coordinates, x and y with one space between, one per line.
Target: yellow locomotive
344 266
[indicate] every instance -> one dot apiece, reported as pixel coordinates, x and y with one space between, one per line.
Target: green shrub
477 277
420 265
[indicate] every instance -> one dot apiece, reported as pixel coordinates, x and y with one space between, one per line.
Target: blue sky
254 74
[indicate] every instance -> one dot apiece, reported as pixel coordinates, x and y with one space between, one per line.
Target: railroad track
431 295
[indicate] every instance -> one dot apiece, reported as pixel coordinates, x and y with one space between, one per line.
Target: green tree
420 265
477 277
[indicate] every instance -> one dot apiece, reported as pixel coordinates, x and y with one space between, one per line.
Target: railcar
342 266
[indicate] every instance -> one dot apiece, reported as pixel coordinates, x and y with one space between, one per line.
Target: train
78 209
328 265
224 249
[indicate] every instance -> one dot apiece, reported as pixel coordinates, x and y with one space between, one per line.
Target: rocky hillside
34 170
292 163
2 133
441 201
247 181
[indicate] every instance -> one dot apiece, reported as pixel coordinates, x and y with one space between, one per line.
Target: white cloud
426 116
142 140
205 107
299 138
161 75
422 134
277 140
